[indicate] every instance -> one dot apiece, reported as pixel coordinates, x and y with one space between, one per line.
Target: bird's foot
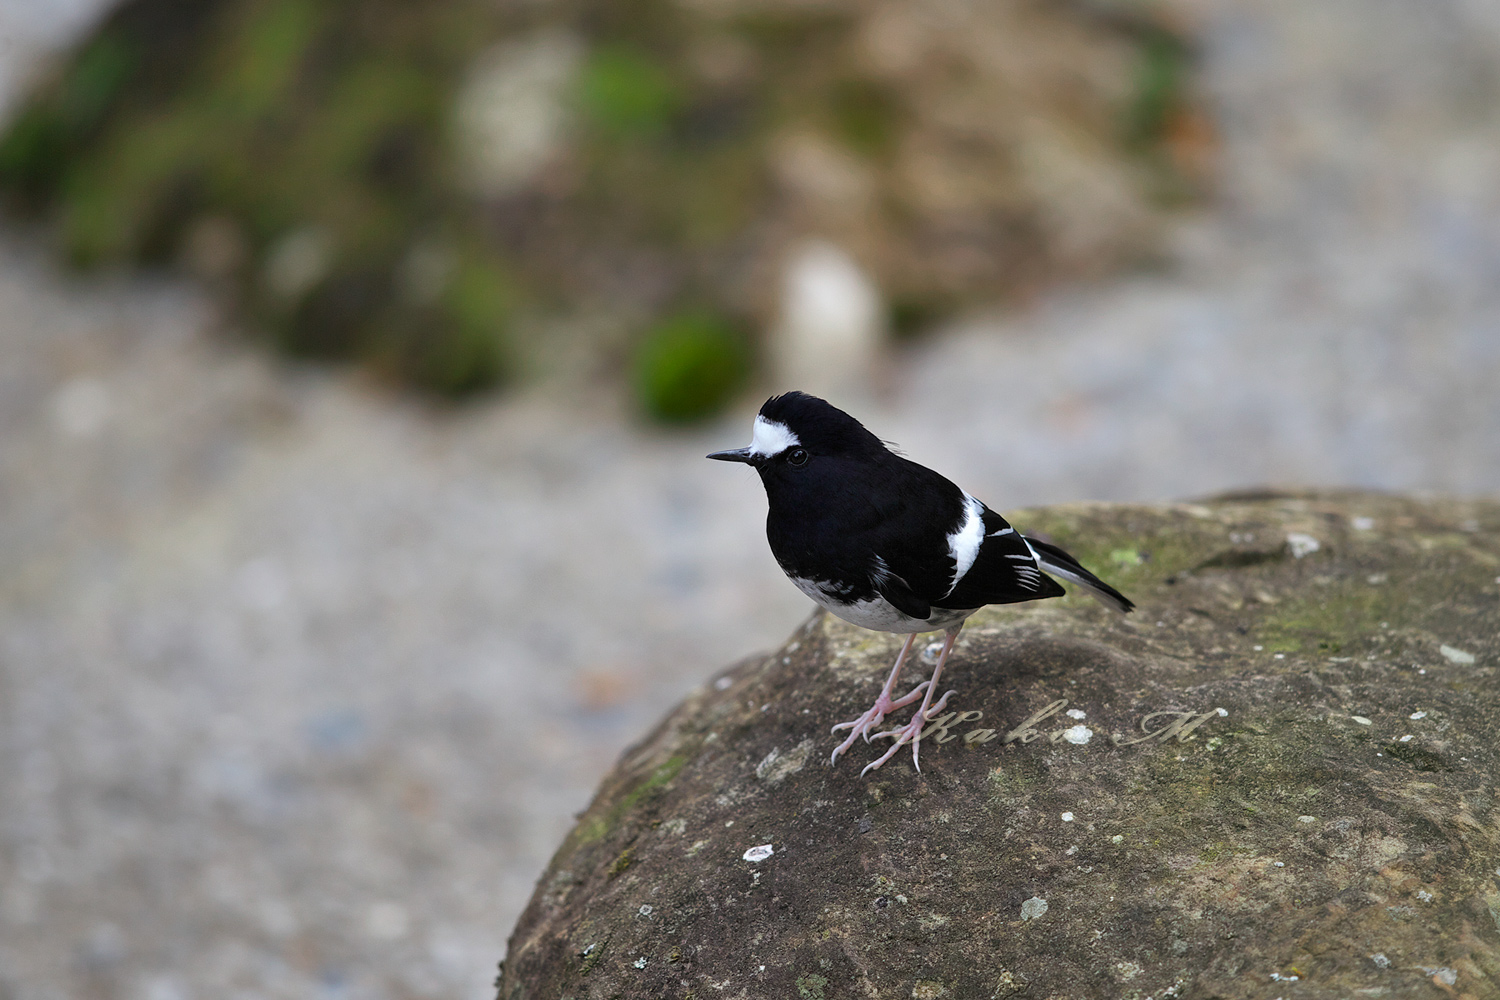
874 717
909 733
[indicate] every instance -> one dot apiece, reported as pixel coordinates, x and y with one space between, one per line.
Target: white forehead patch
771 437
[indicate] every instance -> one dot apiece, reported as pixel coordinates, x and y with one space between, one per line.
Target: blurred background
359 358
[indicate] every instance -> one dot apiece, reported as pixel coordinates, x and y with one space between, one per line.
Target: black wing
899 593
1004 572
905 529
872 528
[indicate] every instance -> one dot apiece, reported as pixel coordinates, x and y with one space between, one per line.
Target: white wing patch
771 437
1027 566
1028 571
964 542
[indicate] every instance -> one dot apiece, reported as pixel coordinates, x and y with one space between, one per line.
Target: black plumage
889 544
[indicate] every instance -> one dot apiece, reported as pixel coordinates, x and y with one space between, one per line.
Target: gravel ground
300 684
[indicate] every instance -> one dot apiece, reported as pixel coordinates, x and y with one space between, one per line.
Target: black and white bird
888 544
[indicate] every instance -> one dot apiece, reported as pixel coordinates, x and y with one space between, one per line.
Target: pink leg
912 731
862 725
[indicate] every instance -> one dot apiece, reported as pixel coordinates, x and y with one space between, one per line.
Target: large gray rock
1275 779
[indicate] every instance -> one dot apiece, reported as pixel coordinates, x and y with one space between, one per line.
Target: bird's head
794 432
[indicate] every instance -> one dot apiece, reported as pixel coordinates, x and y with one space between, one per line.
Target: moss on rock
1276 778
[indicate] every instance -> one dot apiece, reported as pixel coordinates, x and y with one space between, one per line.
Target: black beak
735 455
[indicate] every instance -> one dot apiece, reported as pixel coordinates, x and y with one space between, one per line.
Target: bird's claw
909 733
927 716
939 706
874 717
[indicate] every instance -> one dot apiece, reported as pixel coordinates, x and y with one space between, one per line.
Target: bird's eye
797 457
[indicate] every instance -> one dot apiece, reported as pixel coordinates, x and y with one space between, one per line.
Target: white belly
877 613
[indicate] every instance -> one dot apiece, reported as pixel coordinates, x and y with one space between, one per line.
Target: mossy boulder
1276 778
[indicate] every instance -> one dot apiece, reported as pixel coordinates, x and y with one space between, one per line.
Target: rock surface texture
1277 778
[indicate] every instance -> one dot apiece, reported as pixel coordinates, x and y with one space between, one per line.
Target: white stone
831 324
1302 544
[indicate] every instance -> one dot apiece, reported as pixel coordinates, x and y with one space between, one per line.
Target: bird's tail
1058 563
